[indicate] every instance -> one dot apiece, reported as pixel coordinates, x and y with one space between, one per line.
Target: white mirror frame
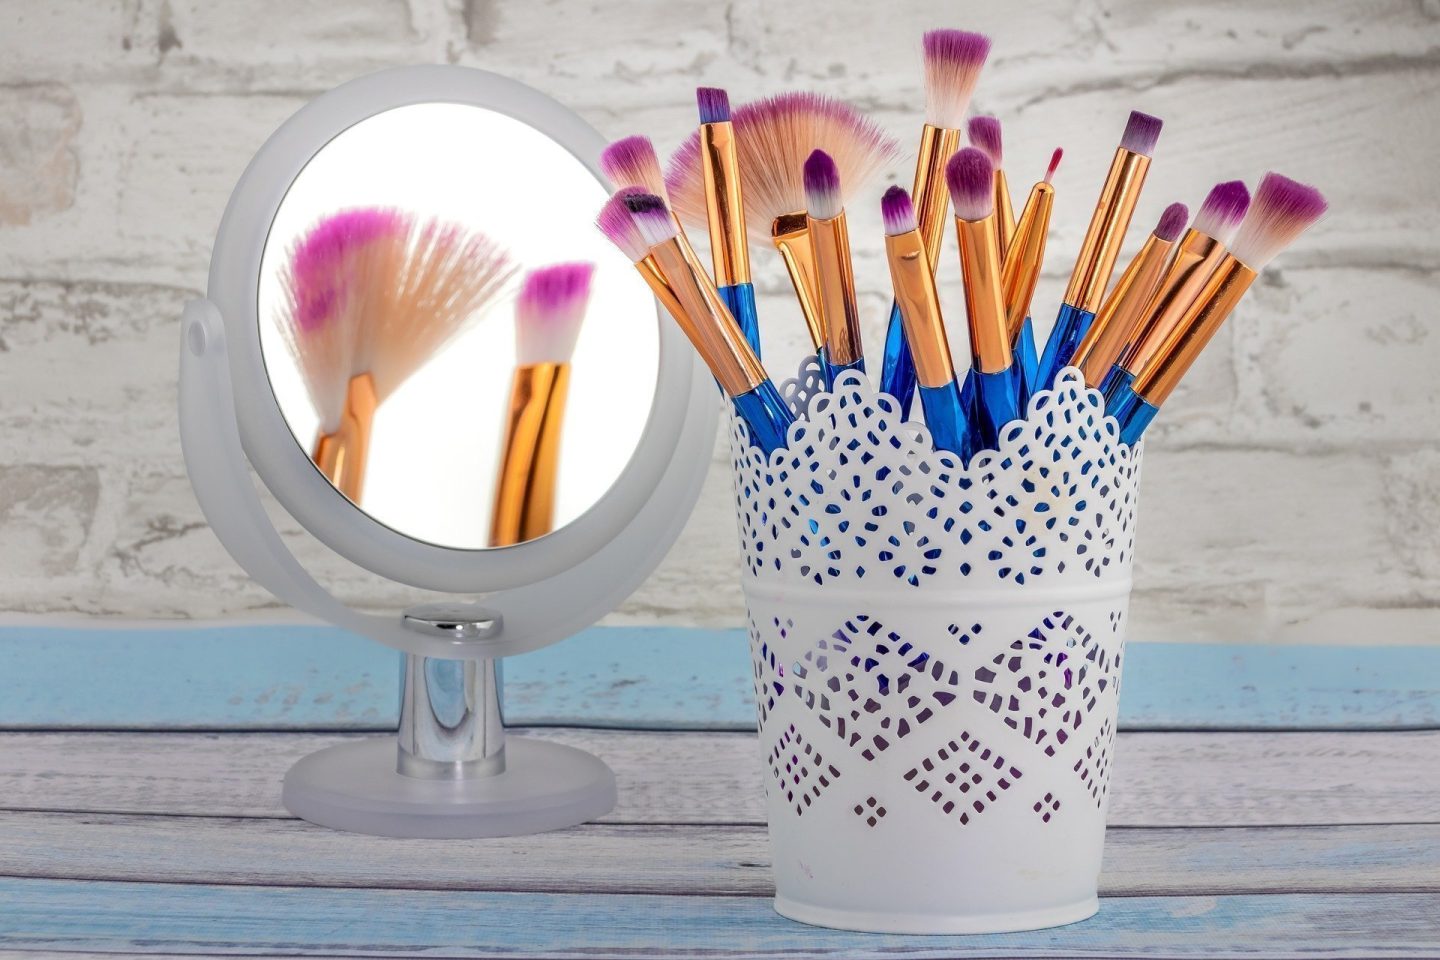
544 589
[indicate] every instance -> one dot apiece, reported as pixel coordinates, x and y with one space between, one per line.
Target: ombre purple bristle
1222 211
822 186
618 225
632 160
1282 210
1054 164
652 217
953 60
1142 131
971 179
897 211
1172 221
985 135
318 261
714 104
549 310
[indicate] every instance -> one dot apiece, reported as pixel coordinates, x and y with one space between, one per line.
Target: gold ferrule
720 167
984 305
1118 317
929 194
1004 214
1107 230
1025 256
1194 261
914 284
835 281
1204 315
524 507
791 236
706 320
341 455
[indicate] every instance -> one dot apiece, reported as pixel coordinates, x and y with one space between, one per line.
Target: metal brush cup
937 653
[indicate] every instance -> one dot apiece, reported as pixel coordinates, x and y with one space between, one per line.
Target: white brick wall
1292 489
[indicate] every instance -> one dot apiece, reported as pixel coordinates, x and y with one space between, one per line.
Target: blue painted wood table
1268 802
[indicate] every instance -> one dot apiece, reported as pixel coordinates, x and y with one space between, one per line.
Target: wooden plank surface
267 676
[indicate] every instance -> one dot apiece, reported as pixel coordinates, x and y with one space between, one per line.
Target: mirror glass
388 327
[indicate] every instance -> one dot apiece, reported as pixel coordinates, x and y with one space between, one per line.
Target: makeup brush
1022 271
1199 250
1121 314
725 211
548 314
1283 209
834 277
371 295
953 60
641 226
992 380
984 133
1102 244
914 284
773 136
631 161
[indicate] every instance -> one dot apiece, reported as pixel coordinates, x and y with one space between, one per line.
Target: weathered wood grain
1161 779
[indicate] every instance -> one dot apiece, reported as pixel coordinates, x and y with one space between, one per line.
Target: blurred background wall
1292 489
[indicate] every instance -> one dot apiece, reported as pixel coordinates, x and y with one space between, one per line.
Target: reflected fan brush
548 313
371 295
725 211
1023 260
834 275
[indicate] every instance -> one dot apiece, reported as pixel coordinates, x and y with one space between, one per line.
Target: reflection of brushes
1023 261
1283 209
834 276
642 227
992 381
914 284
720 170
985 136
1121 314
953 59
773 137
1102 243
548 313
371 296
1195 257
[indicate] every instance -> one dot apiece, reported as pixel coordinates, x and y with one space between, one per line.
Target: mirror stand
450 772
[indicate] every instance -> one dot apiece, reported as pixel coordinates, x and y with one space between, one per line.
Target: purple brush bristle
1282 210
1172 221
1223 209
319 260
1141 133
822 186
633 161
714 104
616 222
953 60
985 135
1054 164
652 217
548 312
897 211
971 178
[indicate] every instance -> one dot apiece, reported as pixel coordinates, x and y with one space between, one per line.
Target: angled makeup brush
1121 312
991 384
641 226
914 284
548 314
1283 209
1199 250
834 276
1022 271
953 60
773 136
631 161
1101 247
725 211
371 296
985 136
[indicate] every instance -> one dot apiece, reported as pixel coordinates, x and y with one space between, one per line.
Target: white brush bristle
653 218
1283 209
619 227
953 61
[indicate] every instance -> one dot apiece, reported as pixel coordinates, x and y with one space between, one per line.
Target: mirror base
354 787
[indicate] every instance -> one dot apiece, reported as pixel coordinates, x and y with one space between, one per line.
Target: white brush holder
937 655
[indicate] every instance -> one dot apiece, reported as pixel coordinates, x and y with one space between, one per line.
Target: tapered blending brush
1021 272
985 136
1199 250
773 136
631 162
994 391
371 295
1121 314
643 228
1283 209
1102 244
548 314
834 276
953 60
914 284
725 211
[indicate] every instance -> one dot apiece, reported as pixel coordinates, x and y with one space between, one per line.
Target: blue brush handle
1026 362
897 374
832 371
1117 379
740 298
946 418
967 409
997 402
1131 411
1071 325
766 415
